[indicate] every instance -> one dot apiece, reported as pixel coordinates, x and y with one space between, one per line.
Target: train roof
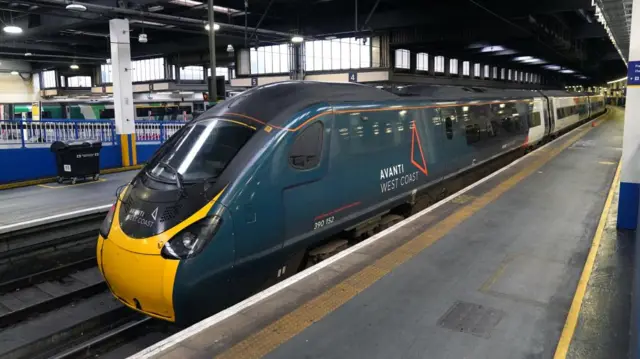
276 103
455 93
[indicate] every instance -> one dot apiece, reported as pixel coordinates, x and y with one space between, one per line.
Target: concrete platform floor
37 202
493 273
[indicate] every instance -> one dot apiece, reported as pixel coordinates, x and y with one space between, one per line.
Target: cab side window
306 150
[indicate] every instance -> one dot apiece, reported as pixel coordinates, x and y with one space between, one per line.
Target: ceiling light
523 58
330 37
216 27
15 73
12 29
552 67
230 48
492 48
108 61
225 10
74 67
155 8
27 54
189 3
567 71
297 39
142 38
76 7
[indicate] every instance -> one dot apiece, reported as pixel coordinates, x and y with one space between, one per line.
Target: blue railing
27 133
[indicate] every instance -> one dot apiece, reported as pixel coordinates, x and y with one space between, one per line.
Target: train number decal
321 223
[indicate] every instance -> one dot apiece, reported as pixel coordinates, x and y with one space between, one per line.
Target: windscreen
200 151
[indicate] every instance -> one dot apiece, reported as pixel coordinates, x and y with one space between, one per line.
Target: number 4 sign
353 77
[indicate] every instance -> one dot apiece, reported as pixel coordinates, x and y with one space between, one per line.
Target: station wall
14 88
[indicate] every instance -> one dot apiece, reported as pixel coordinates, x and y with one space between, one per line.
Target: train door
277 208
305 164
548 121
453 144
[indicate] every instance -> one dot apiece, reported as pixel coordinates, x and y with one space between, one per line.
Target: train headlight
192 240
106 223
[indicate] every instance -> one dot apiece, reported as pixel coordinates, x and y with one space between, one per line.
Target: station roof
546 35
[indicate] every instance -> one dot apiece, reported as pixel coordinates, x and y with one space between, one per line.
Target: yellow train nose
141 281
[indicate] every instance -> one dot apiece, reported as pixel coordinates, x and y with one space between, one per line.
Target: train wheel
59 180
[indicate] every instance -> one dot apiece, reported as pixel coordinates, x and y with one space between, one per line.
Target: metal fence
27 133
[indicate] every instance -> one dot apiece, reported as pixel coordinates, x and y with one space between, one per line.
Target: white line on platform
219 317
32 222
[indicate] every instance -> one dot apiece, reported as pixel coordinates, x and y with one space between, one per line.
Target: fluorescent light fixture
27 54
535 61
189 3
552 67
618 80
74 66
523 58
567 71
297 39
225 10
15 73
216 27
330 37
76 7
12 29
155 8
492 49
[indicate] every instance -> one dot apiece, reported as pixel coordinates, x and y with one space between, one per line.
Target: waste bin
77 159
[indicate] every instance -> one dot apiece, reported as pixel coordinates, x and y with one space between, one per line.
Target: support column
123 89
630 175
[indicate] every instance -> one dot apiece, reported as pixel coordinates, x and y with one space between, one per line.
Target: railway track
26 252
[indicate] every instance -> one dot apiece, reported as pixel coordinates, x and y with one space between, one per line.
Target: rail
29 134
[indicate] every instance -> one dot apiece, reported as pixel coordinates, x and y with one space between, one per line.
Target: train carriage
242 197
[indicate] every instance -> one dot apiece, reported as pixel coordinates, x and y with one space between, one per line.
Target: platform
43 203
523 264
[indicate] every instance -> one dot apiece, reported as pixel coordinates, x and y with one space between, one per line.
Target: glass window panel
402 58
453 66
495 72
354 53
486 71
422 61
345 53
365 53
253 59
476 70
335 54
465 68
268 59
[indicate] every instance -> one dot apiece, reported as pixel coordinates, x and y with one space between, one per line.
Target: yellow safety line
263 342
574 312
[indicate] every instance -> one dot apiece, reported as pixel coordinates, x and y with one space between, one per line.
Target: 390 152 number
323 222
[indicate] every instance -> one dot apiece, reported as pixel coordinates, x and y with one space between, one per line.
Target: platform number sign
67 168
353 77
254 81
633 76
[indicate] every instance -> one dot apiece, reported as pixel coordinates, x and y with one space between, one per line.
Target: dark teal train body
304 164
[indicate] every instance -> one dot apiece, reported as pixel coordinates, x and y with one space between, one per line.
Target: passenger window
535 120
448 125
306 150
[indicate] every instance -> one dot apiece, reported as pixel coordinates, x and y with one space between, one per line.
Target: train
258 186
104 109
